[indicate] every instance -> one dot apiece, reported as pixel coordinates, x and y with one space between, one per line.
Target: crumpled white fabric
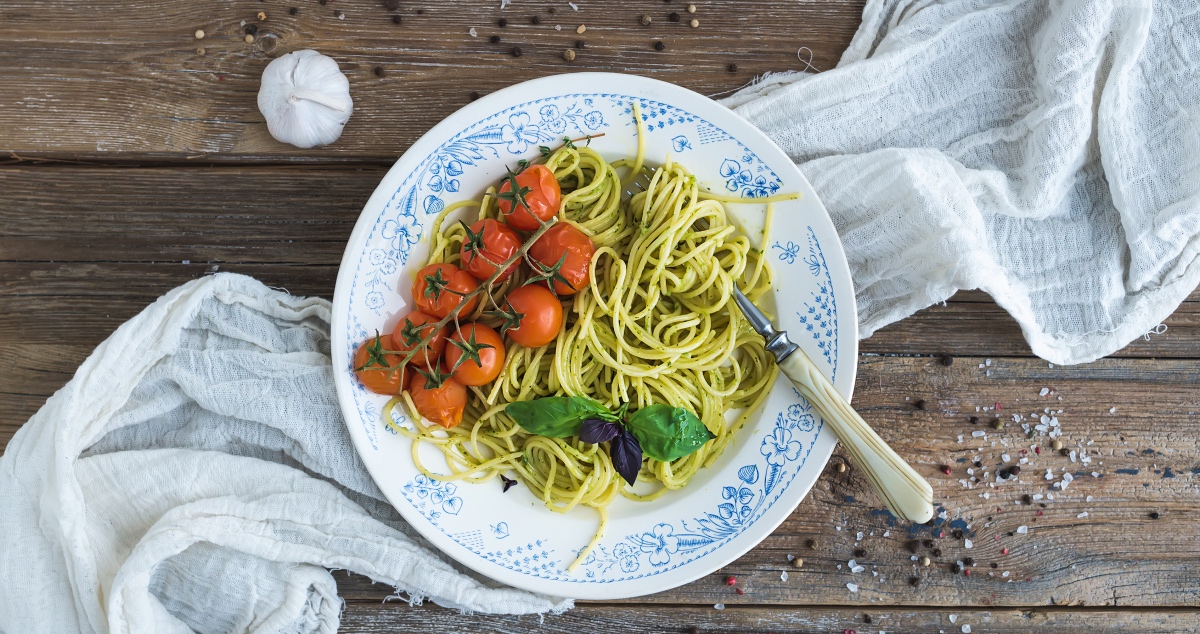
195 475
1045 151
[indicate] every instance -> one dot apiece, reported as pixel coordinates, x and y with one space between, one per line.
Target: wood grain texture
123 79
393 619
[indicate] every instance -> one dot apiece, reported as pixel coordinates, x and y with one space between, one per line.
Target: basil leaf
668 433
597 431
556 416
626 455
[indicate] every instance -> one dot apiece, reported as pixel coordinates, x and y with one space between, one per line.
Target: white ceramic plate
728 508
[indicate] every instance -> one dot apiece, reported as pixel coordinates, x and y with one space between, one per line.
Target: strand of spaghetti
777 198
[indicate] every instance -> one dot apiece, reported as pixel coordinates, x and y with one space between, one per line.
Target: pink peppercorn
740 591
730 580
946 470
1004 551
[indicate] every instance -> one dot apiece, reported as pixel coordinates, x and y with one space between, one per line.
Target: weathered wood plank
393 618
125 79
1146 454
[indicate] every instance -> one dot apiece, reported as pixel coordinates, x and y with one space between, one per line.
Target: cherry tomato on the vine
439 288
438 397
415 327
564 254
533 316
374 368
539 190
488 244
475 355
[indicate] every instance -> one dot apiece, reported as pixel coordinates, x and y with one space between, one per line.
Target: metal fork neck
779 345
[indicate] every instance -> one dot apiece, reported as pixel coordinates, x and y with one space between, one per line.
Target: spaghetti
655 324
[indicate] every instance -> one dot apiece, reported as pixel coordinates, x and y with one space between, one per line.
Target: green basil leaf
557 416
668 433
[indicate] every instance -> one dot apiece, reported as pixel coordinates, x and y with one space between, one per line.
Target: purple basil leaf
626 455
597 431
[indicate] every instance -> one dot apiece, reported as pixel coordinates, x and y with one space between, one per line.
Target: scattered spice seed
551 10
569 55
694 24
495 39
396 19
739 591
261 16
731 580
580 44
997 423
516 51
251 29
200 51
293 11
969 561
797 563
937 552
420 11
199 34
1027 499
339 15
978 464
867 619
925 560
974 420
249 38
913 546
502 22
1003 551
947 360
956 533
841 467
691 8
995 565
582 29
1155 515
928 543
535 20
321 2
946 470
1056 444
731 68
379 71
858 552
1014 470
1064 451
914 581
812 543
658 46
674 17
920 404
645 19
391 5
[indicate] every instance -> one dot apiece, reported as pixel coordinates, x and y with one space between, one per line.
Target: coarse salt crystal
719 606
837 528
942 514
1049 473
783 576
987 361
953 618
857 569
887 533
859 536
1112 410
978 433
1005 457
1004 574
473 33
557 27
853 587
1072 455
1022 529
1089 499
1044 391
573 6
1049 496
960 438
970 471
791 557
986 496
966 629
968 544
1095 474
1082 515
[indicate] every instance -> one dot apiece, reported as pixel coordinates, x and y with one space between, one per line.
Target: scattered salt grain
791 557
1089 498
960 439
854 567
953 618
783 576
1044 391
942 514
473 32
1095 474
859 536
1049 473
1037 496
1005 457
887 533
1067 478
719 606
968 544
978 433
557 27
853 587
1112 410
1022 529
573 6
987 362
1005 574
966 629
1072 455
1082 515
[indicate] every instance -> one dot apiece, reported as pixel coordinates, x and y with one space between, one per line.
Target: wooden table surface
135 163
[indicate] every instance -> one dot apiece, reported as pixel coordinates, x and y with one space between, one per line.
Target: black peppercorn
913 546
956 533
858 552
693 630
969 561
974 420
658 46
1155 515
293 11
502 22
535 20
495 39
391 5
812 543
1027 499
674 17
396 19
516 51
251 29
947 360
867 619
914 581
321 2
731 68
928 543
920 403
995 565
580 44
937 552
1014 470
379 71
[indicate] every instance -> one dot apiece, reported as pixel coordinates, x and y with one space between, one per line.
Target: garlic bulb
305 99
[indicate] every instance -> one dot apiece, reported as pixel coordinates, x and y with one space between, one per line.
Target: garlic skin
305 99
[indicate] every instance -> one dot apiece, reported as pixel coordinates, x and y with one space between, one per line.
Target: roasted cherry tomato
489 243
373 367
438 397
533 316
567 249
475 355
439 287
412 329
539 190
